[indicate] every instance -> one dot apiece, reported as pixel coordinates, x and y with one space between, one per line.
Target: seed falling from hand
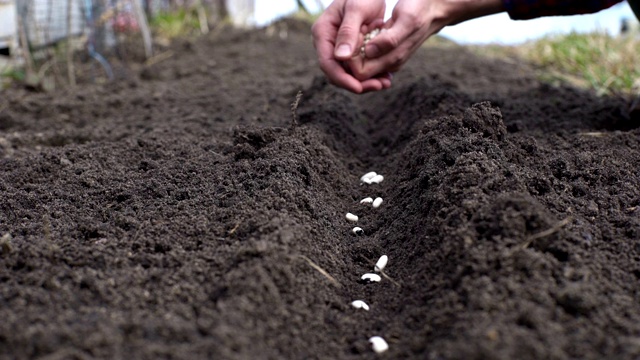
351 217
377 202
359 304
378 344
357 231
366 200
381 264
371 277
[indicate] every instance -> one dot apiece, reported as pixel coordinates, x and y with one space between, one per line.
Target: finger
399 31
376 24
337 75
372 85
387 80
388 63
348 35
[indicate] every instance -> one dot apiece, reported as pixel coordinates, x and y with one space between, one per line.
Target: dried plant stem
390 279
294 108
321 270
70 68
159 58
546 233
24 40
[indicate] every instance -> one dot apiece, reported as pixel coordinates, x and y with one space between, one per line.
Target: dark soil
176 214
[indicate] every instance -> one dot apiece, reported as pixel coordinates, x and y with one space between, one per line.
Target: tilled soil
185 213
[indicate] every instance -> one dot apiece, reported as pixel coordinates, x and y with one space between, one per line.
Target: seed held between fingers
378 344
382 263
359 304
368 37
377 202
371 277
351 217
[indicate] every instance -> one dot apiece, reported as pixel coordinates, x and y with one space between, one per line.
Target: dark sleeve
529 9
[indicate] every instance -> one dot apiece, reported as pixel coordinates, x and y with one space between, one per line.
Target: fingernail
372 51
343 51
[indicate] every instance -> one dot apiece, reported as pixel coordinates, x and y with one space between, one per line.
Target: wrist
457 11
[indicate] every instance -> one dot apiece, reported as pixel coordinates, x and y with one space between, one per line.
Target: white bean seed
367 200
382 262
358 231
368 176
359 304
378 344
368 38
351 217
377 202
371 277
376 179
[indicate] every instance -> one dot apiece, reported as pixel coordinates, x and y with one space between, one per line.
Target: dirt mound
183 214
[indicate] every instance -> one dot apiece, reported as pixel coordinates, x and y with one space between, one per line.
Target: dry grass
605 63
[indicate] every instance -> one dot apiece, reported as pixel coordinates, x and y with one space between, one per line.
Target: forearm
461 10
529 9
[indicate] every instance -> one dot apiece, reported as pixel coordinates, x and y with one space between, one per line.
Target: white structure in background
8 24
242 12
45 20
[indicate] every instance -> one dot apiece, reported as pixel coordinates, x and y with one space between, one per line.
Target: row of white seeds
378 344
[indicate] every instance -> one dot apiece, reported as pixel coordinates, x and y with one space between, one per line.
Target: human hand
337 36
412 23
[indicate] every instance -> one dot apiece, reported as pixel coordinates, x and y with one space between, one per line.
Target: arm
528 9
412 23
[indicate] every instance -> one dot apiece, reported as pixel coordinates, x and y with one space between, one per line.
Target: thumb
390 38
348 36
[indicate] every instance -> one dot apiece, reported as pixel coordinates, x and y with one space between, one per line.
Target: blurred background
48 42
491 29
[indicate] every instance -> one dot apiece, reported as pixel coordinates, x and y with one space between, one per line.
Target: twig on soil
546 233
159 58
592 134
46 227
390 279
321 270
294 109
232 231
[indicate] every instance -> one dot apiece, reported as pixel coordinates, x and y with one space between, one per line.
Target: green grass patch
605 63
175 24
